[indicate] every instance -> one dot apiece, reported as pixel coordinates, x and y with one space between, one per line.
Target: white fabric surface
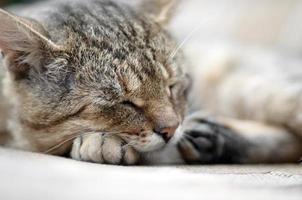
30 176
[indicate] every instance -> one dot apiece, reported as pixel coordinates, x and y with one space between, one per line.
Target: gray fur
104 67
99 65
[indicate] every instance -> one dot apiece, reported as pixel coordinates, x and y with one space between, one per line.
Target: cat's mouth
151 141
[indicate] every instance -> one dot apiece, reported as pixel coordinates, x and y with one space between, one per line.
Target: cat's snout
164 119
166 132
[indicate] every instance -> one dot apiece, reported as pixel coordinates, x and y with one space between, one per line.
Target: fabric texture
30 176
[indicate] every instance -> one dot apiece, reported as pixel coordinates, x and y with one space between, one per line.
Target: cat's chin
153 143
149 148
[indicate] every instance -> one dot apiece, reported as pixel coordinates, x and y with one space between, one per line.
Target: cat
100 81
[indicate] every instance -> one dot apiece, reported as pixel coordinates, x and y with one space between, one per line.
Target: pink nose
166 132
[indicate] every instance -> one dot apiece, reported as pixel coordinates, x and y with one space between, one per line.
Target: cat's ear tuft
23 42
161 10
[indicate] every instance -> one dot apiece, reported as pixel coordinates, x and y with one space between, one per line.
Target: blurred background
260 23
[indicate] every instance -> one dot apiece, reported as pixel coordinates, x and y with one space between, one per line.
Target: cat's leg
102 148
209 140
212 140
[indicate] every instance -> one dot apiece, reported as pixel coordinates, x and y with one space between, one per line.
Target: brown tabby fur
80 83
106 67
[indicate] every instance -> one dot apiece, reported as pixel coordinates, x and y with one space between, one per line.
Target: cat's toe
102 148
88 148
197 147
116 151
208 142
130 156
112 150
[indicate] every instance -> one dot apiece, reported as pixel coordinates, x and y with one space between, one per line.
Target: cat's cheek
177 135
180 105
181 109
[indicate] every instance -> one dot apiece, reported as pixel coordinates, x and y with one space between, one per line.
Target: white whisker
72 138
187 38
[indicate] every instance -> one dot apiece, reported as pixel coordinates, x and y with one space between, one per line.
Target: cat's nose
166 132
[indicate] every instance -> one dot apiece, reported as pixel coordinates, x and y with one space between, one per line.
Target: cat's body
103 76
256 91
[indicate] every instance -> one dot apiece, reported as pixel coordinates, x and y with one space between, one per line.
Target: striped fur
98 78
112 73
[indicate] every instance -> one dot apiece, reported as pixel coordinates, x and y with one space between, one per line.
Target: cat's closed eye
128 103
171 87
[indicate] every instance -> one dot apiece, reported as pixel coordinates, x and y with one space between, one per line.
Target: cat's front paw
102 148
208 142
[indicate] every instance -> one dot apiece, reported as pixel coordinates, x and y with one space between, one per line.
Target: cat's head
102 67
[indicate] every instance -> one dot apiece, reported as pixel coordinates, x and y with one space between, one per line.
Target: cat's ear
23 42
161 10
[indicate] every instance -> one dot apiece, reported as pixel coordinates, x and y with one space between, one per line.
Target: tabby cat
100 81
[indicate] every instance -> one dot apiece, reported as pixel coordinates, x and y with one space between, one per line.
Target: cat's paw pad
102 148
208 142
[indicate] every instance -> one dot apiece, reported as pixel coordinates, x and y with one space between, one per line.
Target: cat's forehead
109 26
139 72
116 46
132 71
